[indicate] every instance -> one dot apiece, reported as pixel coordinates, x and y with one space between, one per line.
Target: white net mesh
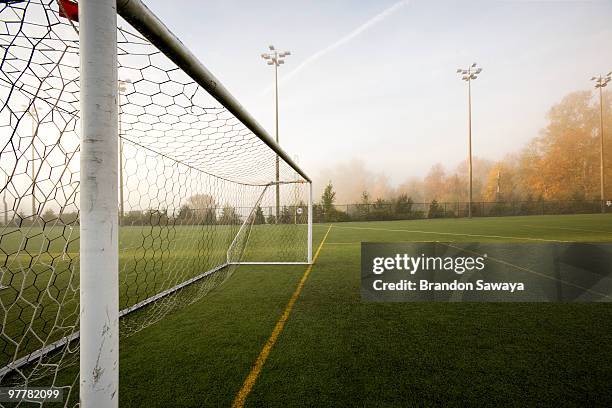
198 192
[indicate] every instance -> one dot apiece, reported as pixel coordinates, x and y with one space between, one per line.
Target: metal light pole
468 75
120 91
276 58
2 286
5 203
498 190
600 82
33 113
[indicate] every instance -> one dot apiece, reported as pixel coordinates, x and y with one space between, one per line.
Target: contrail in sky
347 38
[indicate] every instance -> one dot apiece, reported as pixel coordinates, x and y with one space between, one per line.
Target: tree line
557 172
561 163
199 209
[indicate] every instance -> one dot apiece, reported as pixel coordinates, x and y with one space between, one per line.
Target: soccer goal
132 183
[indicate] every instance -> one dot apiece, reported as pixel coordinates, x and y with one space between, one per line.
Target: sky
376 81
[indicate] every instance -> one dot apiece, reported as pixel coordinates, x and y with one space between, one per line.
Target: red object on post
69 9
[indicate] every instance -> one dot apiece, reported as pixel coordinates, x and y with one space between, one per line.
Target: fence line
408 210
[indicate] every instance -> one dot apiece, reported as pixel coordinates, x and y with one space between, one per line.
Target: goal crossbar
153 29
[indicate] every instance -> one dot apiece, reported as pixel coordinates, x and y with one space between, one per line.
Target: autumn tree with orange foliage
563 162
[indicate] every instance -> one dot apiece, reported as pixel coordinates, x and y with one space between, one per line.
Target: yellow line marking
249 382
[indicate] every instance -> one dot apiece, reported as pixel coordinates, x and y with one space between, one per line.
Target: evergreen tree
229 216
327 199
286 216
402 205
259 216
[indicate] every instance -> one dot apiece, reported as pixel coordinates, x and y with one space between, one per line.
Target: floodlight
270 62
474 65
459 70
479 70
271 47
280 62
593 78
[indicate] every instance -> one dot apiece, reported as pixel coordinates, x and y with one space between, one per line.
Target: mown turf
40 269
337 351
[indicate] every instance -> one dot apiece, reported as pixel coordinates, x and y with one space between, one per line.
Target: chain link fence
408 210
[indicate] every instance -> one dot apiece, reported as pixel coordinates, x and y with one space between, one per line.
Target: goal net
202 188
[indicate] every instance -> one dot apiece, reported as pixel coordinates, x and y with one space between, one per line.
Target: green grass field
337 351
40 270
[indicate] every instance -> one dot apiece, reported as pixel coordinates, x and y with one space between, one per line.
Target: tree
49 215
328 198
365 198
157 217
271 219
364 207
434 182
330 213
563 162
381 210
204 209
201 201
327 203
402 205
456 187
229 216
185 215
413 187
500 184
317 213
286 216
434 210
134 217
68 218
259 216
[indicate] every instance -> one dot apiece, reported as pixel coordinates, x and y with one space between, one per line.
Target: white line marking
454 234
568 229
531 271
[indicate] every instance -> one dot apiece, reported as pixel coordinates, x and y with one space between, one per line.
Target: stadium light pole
600 82
120 91
5 204
276 58
33 113
468 75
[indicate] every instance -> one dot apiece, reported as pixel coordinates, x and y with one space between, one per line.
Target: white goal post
99 189
138 183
